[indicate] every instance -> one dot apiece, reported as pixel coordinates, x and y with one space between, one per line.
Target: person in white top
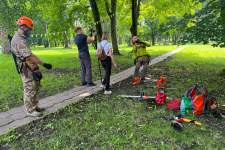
106 64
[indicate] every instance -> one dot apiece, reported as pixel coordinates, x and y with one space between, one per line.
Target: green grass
111 122
200 65
64 75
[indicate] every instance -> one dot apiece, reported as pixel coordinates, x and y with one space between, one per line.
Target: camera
92 30
138 41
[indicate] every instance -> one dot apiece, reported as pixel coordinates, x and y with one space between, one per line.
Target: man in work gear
21 49
140 57
82 42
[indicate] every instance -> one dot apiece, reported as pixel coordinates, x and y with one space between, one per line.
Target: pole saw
94 43
141 97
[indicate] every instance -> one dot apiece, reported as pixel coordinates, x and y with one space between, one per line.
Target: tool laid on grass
192 121
141 97
179 119
176 123
172 88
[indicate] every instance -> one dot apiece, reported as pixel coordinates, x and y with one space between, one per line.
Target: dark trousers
85 61
107 65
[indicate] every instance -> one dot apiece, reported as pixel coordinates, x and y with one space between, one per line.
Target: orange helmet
26 21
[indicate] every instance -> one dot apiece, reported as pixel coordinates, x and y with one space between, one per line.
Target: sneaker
91 84
82 84
102 86
34 114
38 109
107 92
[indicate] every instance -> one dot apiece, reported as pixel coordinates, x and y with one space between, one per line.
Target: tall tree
97 20
5 43
222 3
112 16
10 12
55 13
8 16
205 25
154 10
135 14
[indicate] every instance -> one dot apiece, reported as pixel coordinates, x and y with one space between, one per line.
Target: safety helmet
26 21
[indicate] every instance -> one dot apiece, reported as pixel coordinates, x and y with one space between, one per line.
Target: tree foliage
206 25
149 19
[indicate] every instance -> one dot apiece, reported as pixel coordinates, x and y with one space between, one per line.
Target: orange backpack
198 103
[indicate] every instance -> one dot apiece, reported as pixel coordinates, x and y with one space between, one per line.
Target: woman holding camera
106 64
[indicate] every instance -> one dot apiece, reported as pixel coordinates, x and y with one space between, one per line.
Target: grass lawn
64 75
111 122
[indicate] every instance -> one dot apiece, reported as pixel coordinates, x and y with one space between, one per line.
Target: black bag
37 73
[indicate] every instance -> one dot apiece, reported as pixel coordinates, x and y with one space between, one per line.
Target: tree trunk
120 40
135 15
133 28
113 34
112 16
103 25
5 44
174 39
65 39
153 38
223 20
96 15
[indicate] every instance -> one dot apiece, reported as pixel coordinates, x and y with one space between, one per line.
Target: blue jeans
85 61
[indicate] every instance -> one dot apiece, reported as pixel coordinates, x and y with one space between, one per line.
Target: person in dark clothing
82 42
106 64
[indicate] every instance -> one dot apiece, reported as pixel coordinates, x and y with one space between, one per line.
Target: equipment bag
174 104
190 94
211 104
37 75
160 97
101 53
198 103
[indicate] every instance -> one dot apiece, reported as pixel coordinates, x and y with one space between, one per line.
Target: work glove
48 66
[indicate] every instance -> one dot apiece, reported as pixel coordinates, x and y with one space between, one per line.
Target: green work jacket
139 50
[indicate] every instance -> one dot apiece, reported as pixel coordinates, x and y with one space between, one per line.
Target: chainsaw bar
149 80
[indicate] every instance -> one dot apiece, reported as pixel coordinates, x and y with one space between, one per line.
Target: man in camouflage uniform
21 49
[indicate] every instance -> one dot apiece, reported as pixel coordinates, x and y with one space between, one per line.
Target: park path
17 117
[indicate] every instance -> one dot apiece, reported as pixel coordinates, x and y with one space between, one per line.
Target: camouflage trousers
141 61
31 90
